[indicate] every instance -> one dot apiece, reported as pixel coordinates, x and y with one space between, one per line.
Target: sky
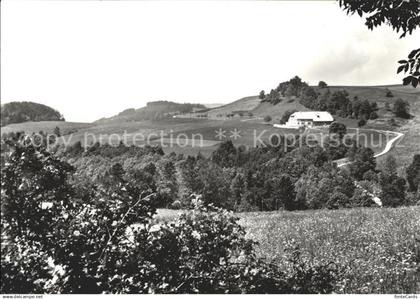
93 59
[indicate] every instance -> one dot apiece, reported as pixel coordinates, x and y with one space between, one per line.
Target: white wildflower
196 235
155 228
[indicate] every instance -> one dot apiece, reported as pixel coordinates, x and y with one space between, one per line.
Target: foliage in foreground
63 238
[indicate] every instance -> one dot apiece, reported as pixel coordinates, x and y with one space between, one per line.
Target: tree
362 194
402 16
361 122
308 96
238 189
365 109
338 129
167 186
392 186
286 115
362 160
285 193
324 187
267 118
57 131
388 93
401 108
322 84
390 165
225 155
261 95
413 173
216 186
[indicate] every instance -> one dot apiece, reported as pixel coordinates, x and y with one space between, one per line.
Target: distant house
308 119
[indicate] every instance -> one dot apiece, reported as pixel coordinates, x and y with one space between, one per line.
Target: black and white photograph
210 147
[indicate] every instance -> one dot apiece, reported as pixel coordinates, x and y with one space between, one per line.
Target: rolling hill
153 110
244 104
143 120
45 126
19 112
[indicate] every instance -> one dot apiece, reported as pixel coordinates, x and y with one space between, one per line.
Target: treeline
172 106
337 103
267 178
18 112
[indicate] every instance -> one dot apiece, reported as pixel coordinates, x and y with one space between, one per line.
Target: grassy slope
377 93
276 111
373 93
410 143
244 104
370 244
46 126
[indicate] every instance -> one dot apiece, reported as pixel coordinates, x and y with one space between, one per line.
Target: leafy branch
411 67
402 15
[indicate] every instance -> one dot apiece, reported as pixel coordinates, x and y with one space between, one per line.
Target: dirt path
387 148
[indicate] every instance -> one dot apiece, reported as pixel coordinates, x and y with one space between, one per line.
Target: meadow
377 250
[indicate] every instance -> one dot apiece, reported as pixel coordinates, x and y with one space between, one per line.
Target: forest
18 112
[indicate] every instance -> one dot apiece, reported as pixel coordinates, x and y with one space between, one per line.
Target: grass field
375 248
244 104
161 132
45 126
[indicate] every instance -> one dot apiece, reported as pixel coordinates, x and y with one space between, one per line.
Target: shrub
322 84
392 122
267 118
361 122
373 115
401 108
261 96
413 173
286 115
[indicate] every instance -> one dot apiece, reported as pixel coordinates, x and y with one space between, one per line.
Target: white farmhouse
308 119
